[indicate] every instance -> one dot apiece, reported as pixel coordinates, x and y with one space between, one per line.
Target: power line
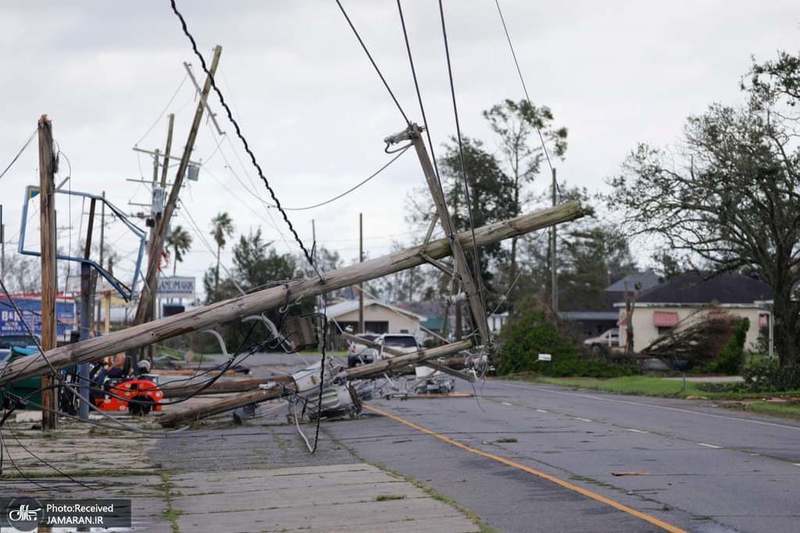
371 60
242 138
419 92
161 115
522 81
354 187
475 256
24 146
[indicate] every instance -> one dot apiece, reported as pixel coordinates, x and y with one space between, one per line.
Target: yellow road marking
538 473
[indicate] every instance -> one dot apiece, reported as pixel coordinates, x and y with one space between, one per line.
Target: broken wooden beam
385 365
193 388
194 414
273 297
441 367
377 368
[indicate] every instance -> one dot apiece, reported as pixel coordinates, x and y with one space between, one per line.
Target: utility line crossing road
540 458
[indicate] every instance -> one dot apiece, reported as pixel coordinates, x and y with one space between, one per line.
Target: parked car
359 354
7 342
403 342
608 341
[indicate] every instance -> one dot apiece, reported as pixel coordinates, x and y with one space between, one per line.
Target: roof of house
588 315
641 281
347 306
703 288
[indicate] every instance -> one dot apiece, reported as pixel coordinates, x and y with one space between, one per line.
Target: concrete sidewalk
258 477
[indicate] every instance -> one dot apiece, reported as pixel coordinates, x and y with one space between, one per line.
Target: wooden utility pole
47 186
553 256
359 372
147 294
167 151
259 301
468 280
361 325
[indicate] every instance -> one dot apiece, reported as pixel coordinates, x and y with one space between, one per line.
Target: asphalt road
689 464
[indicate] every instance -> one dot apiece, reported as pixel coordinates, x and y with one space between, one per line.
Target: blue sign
10 323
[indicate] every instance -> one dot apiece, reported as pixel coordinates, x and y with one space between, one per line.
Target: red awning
665 319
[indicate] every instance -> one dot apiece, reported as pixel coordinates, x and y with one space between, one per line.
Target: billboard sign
176 287
10 323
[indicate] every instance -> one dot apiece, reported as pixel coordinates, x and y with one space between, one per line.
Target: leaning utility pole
147 294
462 269
47 233
361 326
273 297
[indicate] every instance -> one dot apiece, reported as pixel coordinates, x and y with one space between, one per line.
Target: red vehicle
139 396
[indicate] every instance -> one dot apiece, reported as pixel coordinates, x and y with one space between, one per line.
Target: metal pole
98 309
361 325
86 311
553 257
2 244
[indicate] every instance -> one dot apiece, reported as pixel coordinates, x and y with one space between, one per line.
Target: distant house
688 298
591 322
379 317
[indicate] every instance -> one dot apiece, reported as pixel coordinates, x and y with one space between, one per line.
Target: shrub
731 357
529 333
766 375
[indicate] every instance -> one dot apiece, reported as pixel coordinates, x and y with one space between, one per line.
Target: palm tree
179 241
221 230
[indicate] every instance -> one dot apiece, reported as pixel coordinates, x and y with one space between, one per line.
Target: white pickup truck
608 340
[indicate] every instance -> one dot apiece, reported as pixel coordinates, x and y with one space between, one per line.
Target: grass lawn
640 385
788 410
671 388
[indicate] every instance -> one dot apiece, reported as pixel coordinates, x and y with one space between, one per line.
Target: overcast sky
615 73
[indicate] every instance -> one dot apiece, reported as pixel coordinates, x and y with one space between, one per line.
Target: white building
379 317
689 298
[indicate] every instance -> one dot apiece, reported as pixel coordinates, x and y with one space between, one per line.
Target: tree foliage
179 241
731 195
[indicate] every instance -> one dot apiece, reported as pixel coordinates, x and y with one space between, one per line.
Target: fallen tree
271 298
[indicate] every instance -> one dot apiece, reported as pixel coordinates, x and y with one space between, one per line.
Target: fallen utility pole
183 390
271 393
229 404
274 297
396 352
47 185
467 277
147 295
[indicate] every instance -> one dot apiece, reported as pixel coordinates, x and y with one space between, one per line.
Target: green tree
221 230
256 264
589 261
490 195
517 126
730 197
179 241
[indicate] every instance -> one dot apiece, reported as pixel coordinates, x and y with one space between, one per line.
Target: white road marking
508 404
796 464
706 445
583 419
634 430
542 411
